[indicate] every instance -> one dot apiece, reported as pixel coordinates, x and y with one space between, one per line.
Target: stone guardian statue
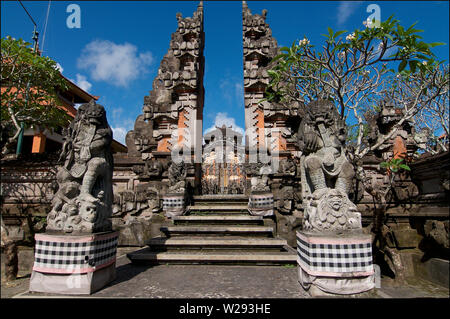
83 202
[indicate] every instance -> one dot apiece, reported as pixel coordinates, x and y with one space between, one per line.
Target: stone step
218 230
211 257
218 207
217 219
216 242
227 203
216 213
220 197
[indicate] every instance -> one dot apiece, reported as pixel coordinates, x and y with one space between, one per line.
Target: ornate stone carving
84 198
176 99
260 179
327 173
177 178
332 212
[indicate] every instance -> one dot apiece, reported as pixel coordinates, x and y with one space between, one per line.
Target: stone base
335 264
72 284
73 264
260 204
174 205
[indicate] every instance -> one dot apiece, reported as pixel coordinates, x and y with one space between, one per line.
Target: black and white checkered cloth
74 254
173 203
328 257
260 201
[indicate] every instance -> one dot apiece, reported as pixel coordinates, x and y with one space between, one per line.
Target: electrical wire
45 27
27 13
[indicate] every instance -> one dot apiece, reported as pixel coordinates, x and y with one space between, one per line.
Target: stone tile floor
214 281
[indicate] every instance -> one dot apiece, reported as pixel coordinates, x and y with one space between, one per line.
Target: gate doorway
222 165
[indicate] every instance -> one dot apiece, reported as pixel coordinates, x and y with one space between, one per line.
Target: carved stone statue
327 172
177 178
260 180
83 202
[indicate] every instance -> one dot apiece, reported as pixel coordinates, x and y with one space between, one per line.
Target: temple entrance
223 158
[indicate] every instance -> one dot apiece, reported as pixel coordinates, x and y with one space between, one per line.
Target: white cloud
117 64
232 91
119 134
222 118
83 83
119 124
346 9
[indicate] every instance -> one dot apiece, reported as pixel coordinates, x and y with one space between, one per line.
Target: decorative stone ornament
333 211
260 204
174 200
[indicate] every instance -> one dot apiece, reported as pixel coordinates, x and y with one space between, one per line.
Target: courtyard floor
214 281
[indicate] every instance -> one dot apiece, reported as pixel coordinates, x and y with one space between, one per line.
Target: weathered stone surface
326 172
438 231
136 231
406 237
83 202
287 225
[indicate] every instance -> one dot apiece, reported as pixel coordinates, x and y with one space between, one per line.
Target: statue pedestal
260 204
335 264
73 264
174 205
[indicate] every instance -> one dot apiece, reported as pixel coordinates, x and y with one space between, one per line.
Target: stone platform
73 264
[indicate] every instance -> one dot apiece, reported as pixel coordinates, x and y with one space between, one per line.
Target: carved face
87 210
335 201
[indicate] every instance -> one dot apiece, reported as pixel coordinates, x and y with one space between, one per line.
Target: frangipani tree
29 91
355 71
358 71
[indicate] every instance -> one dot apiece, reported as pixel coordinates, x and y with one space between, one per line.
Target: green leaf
339 33
402 65
405 167
434 44
412 65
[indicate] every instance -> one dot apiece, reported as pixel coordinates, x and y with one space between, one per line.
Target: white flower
424 62
398 76
303 42
350 37
368 23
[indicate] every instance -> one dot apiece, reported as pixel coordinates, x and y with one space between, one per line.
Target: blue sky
116 52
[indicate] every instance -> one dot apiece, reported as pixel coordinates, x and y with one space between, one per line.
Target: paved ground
195 281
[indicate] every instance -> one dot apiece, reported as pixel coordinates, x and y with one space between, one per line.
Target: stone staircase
217 229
